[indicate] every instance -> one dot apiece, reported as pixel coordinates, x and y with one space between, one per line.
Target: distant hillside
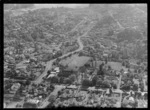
104 8
17 6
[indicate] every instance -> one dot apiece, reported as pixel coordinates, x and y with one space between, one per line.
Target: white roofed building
53 72
34 101
57 69
131 99
51 75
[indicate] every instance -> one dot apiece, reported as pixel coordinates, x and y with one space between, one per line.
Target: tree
135 87
32 76
8 74
67 81
82 69
94 80
86 83
109 67
54 79
141 85
61 80
139 70
28 82
19 91
101 66
106 84
106 60
65 73
130 75
114 85
125 88
7 86
86 65
99 82
135 70
52 99
72 77
102 72
138 63
110 32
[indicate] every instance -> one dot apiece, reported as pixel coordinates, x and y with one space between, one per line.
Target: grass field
114 65
75 62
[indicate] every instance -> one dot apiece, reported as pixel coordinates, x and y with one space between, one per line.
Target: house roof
53 72
131 99
72 86
51 75
15 86
4 104
34 101
57 69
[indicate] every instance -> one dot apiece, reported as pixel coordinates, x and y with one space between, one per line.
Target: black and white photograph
75 55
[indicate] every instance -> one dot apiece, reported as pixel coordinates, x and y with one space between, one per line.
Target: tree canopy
86 83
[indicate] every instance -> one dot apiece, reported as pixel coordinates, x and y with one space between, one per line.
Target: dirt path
121 27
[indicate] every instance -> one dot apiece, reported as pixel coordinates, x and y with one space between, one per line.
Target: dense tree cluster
129 35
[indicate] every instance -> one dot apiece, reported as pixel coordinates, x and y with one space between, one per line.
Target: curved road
49 66
49 63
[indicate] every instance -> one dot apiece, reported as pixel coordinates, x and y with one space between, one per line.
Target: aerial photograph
75 55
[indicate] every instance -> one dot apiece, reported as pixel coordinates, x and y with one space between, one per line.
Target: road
46 102
140 10
118 87
121 27
49 63
49 66
76 27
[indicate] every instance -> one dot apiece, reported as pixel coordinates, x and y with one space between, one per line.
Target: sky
60 5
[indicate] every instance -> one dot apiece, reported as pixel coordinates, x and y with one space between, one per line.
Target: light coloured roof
15 86
53 72
57 69
72 86
33 101
4 105
51 75
131 99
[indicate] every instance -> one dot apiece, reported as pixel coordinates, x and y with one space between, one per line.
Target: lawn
116 66
74 62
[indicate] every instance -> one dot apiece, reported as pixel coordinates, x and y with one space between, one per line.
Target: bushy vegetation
129 35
